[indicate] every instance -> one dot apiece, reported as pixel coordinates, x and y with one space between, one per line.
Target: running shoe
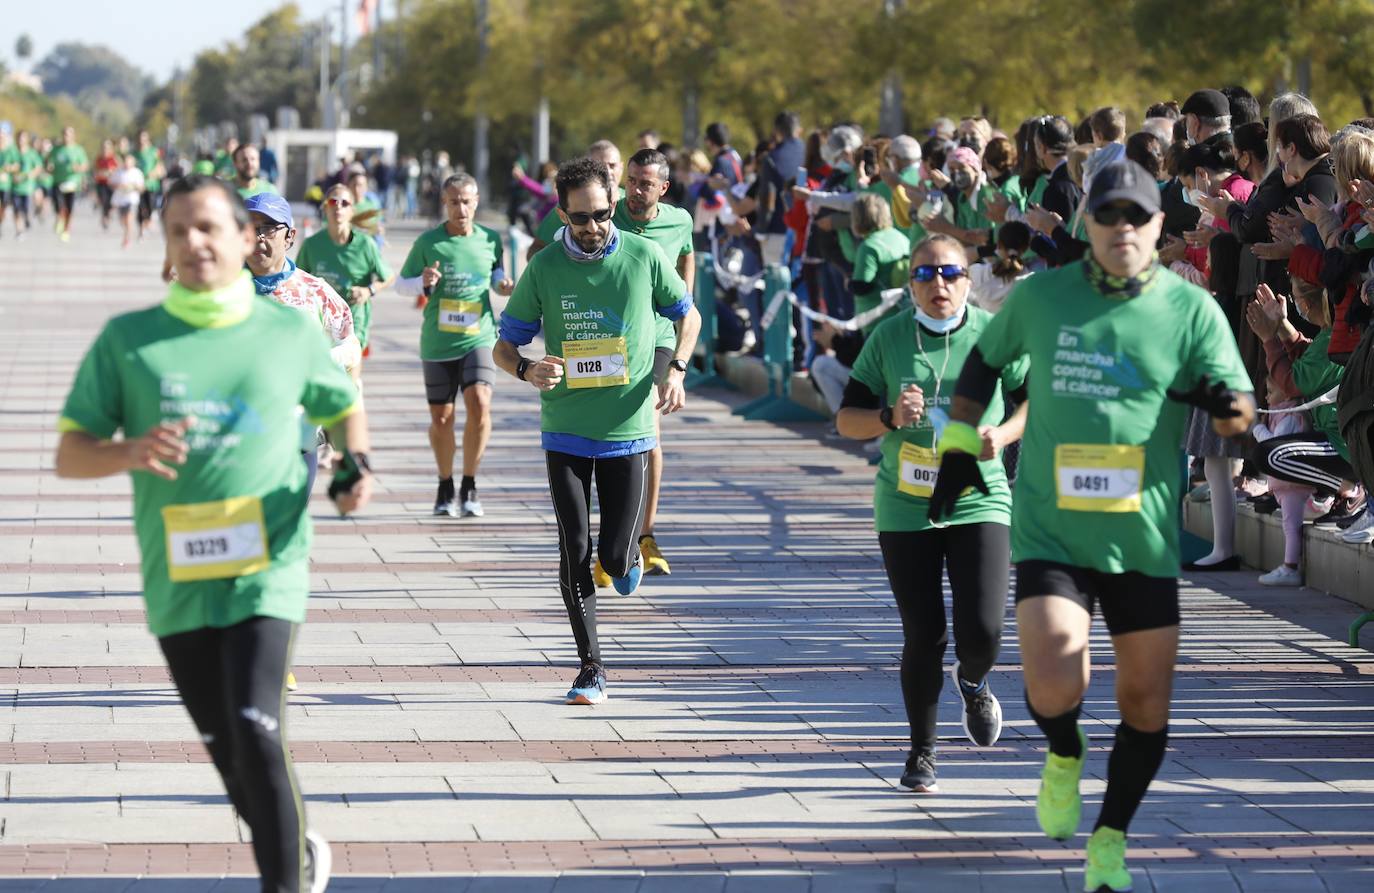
1283 575
291 681
1106 865
1353 520
982 712
444 502
919 774
1316 506
318 862
1265 504
1059 806
627 584
600 577
1362 531
1342 507
589 687
472 506
655 565
1200 493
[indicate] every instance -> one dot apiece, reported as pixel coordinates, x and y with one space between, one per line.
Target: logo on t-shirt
1090 371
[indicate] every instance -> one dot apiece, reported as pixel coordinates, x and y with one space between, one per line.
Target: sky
160 36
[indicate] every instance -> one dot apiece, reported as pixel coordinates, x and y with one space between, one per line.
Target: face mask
1191 197
940 326
843 166
962 180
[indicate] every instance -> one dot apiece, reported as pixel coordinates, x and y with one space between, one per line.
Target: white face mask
941 326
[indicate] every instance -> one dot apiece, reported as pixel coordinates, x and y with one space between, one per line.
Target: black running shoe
445 502
1342 508
982 712
919 774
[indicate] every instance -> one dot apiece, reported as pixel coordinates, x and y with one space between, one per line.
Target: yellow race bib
917 469
598 363
215 540
460 317
1099 477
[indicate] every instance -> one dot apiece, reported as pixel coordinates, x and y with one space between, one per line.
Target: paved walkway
754 733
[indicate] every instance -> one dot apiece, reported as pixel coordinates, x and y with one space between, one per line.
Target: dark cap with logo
1207 104
1124 181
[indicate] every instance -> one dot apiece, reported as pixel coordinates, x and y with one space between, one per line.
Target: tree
78 69
23 48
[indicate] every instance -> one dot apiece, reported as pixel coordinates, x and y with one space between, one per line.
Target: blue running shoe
630 582
589 687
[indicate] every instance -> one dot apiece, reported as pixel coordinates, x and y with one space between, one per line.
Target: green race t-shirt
882 259
9 156
63 163
243 383
588 309
966 216
358 262
1098 485
260 185
148 160
1314 374
900 353
461 300
671 228
30 167
224 166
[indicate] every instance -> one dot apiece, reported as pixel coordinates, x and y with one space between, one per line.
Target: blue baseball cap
271 206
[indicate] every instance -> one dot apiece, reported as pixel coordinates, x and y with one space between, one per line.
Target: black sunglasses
927 272
268 230
1112 215
582 218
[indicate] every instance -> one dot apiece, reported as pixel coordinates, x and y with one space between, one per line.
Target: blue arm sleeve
676 311
517 331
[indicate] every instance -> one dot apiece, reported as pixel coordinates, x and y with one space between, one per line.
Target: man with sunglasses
1119 348
596 295
450 271
603 151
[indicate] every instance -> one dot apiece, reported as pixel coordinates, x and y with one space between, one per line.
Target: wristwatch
885 416
372 289
679 365
522 366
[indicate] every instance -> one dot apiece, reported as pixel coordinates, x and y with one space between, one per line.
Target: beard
590 242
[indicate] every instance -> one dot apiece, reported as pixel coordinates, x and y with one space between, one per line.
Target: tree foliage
100 81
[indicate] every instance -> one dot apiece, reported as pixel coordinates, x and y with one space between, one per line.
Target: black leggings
620 491
233 683
979 564
1304 459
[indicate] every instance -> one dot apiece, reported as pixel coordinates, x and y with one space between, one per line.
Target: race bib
918 468
215 540
68 186
460 317
1099 477
598 363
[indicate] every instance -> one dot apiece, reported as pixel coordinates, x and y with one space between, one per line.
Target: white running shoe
1362 531
1283 575
318 861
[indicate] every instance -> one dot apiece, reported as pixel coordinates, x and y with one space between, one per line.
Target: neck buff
265 285
941 326
1119 287
574 251
211 309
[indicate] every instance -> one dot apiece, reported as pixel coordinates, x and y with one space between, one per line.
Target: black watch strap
522 366
679 365
885 416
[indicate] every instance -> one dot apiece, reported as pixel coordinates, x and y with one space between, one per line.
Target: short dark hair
200 182
1001 154
1306 133
239 148
1055 134
1109 122
1164 110
1145 149
936 150
788 123
1245 108
718 133
1253 138
652 158
580 172
1215 154
1083 132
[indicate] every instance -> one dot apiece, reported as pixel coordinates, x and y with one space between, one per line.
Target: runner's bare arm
687 269
83 455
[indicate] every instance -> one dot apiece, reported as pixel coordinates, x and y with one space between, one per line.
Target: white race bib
460 317
598 363
1099 477
215 540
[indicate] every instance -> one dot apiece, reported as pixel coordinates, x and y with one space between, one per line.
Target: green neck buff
212 309
1119 287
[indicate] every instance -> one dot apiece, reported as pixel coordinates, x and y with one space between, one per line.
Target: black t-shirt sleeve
858 396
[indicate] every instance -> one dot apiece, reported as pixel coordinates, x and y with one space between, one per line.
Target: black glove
1217 400
348 474
958 472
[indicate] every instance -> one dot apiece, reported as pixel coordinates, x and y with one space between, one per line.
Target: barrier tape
888 298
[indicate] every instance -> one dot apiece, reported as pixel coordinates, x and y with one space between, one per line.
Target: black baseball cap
1207 104
1124 181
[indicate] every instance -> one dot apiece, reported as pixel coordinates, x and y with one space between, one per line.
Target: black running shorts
1130 602
446 378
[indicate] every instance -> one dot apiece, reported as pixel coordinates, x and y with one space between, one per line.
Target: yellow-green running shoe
599 575
1106 865
1059 806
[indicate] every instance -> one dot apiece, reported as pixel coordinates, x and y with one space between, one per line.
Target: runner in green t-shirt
349 261
68 164
25 168
224 165
596 294
450 272
546 233
150 163
900 390
881 259
246 167
367 212
206 387
639 211
1119 348
42 195
9 161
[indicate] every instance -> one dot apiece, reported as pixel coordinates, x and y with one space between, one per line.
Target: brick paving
754 732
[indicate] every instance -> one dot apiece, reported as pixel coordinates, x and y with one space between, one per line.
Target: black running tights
233 683
621 495
978 557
